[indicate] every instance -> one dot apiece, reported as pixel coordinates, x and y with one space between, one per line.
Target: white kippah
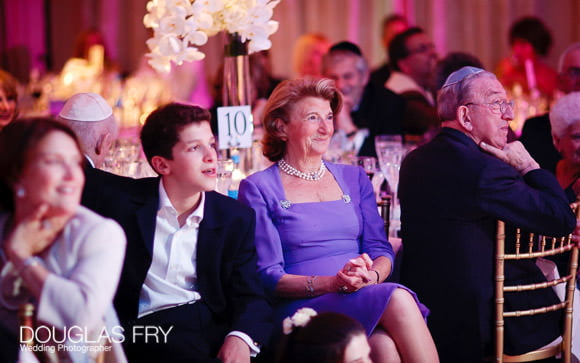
458 75
86 107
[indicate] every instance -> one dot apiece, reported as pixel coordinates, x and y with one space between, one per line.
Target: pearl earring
20 192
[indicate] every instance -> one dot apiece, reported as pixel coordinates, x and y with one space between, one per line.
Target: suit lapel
208 242
147 214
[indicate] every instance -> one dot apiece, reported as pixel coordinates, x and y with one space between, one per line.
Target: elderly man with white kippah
452 191
92 119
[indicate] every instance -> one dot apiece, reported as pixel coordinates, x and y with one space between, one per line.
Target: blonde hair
303 50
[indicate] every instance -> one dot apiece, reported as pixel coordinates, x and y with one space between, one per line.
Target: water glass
224 175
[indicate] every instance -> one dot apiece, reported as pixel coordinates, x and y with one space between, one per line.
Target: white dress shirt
172 275
171 278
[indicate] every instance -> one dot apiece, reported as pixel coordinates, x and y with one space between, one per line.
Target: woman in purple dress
319 237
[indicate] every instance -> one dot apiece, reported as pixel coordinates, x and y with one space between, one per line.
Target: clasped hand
355 274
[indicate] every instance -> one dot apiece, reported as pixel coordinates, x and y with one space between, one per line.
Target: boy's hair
162 127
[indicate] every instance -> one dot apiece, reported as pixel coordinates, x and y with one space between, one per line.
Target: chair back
528 246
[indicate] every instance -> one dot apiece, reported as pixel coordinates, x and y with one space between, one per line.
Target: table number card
235 126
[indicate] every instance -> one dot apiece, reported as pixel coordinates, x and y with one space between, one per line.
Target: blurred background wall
41 33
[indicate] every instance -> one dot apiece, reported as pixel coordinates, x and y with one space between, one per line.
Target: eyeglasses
501 106
423 48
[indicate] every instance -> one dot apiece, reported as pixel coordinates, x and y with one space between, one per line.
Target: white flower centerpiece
181 26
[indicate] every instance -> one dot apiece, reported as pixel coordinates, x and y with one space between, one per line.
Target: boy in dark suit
189 289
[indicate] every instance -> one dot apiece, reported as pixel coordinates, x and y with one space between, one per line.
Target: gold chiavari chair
533 248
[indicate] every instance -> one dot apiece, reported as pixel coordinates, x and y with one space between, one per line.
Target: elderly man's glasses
501 106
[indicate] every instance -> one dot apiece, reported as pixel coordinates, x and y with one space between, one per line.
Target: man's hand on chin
234 349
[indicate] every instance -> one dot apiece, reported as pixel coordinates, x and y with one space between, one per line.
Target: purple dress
319 238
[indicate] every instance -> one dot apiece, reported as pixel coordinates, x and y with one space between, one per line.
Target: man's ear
160 165
464 118
103 144
556 142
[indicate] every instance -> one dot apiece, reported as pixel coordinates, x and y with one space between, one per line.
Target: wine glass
369 165
390 153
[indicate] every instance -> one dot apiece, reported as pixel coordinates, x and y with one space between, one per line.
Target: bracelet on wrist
310 286
378 275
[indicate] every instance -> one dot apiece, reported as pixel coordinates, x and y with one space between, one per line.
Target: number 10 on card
235 126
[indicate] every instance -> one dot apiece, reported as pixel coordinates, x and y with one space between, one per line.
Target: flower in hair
300 319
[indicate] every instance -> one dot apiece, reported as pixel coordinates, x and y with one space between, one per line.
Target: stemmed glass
390 153
369 165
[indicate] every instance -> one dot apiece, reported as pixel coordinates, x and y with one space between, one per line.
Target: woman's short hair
18 140
280 104
534 31
456 94
564 114
323 340
161 130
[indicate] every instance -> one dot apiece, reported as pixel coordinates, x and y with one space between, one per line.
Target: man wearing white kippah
92 119
452 191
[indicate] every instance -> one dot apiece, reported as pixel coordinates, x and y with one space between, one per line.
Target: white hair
564 114
570 49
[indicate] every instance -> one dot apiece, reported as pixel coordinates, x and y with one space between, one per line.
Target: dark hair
323 340
18 140
451 63
346 46
398 47
534 31
280 103
161 130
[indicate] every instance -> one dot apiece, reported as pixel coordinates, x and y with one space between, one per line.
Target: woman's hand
356 274
33 234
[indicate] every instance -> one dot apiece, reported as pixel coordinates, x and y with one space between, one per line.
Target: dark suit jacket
452 194
381 111
537 138
226 257
102 187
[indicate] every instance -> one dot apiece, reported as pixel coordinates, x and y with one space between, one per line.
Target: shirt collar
165 206
89 160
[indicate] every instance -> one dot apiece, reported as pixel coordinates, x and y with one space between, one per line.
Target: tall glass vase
236 89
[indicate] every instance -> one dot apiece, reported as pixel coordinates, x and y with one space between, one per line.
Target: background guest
92 120
64 257
8 98
452 192
367 108
530 40
536 133
307 54
413 58
393 24
566 134
320 240
323 338
94 123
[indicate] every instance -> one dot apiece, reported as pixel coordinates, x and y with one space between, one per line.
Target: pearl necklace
290 170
